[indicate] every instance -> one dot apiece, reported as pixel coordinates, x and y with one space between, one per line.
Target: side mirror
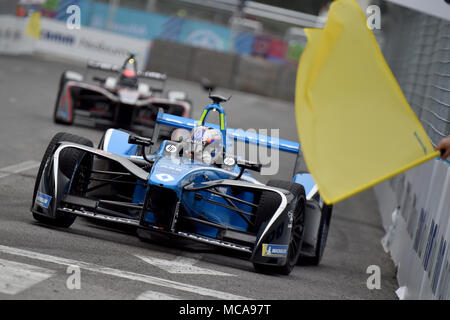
142 141
245 164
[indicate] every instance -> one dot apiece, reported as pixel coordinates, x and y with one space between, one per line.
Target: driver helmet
128 78
206 144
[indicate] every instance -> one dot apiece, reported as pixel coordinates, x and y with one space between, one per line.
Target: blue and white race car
188 188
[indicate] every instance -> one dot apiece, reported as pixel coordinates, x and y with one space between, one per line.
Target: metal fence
417 48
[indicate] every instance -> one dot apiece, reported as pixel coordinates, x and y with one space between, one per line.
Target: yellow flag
355 126
34 25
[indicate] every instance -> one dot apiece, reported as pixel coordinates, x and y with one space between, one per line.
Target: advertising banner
88 44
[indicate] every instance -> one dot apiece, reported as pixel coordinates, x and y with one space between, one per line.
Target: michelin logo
43 200
274 250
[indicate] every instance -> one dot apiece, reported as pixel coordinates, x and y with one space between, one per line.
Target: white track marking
123 274
16 277
16 168
153 295
181 265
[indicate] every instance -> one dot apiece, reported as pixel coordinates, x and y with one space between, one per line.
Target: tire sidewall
297 190
74 157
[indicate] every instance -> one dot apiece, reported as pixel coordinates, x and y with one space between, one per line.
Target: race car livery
121 101
165 190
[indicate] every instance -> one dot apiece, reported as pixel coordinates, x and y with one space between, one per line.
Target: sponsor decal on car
164 177
43 200
229 161
171 148
274 250
291 218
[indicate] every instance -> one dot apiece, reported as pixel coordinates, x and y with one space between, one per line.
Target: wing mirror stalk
245 164
143 142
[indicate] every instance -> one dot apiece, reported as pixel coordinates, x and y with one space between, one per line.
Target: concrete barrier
225 69
284 86
171 58
217 66
255 75
415 207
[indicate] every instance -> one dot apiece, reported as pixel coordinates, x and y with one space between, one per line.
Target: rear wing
104 66
235 134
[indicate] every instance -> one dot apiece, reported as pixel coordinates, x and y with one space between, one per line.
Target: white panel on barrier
12 35
440 278
402 245
434 227
401 248
416 272
419 233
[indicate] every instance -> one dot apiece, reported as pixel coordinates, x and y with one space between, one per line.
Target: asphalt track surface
34 258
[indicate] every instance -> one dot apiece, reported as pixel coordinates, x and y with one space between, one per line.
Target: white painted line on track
154 295
123 274
16 277
182 265
17 168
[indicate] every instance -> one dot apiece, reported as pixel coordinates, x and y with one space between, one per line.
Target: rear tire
268 204
68 161
325 218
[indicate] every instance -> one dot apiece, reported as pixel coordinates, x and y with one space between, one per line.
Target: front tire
69 159
268 204
322 237
62 81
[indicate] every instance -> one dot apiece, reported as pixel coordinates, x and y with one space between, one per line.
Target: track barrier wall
56 40
415 210
415 205
129 22
225 69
